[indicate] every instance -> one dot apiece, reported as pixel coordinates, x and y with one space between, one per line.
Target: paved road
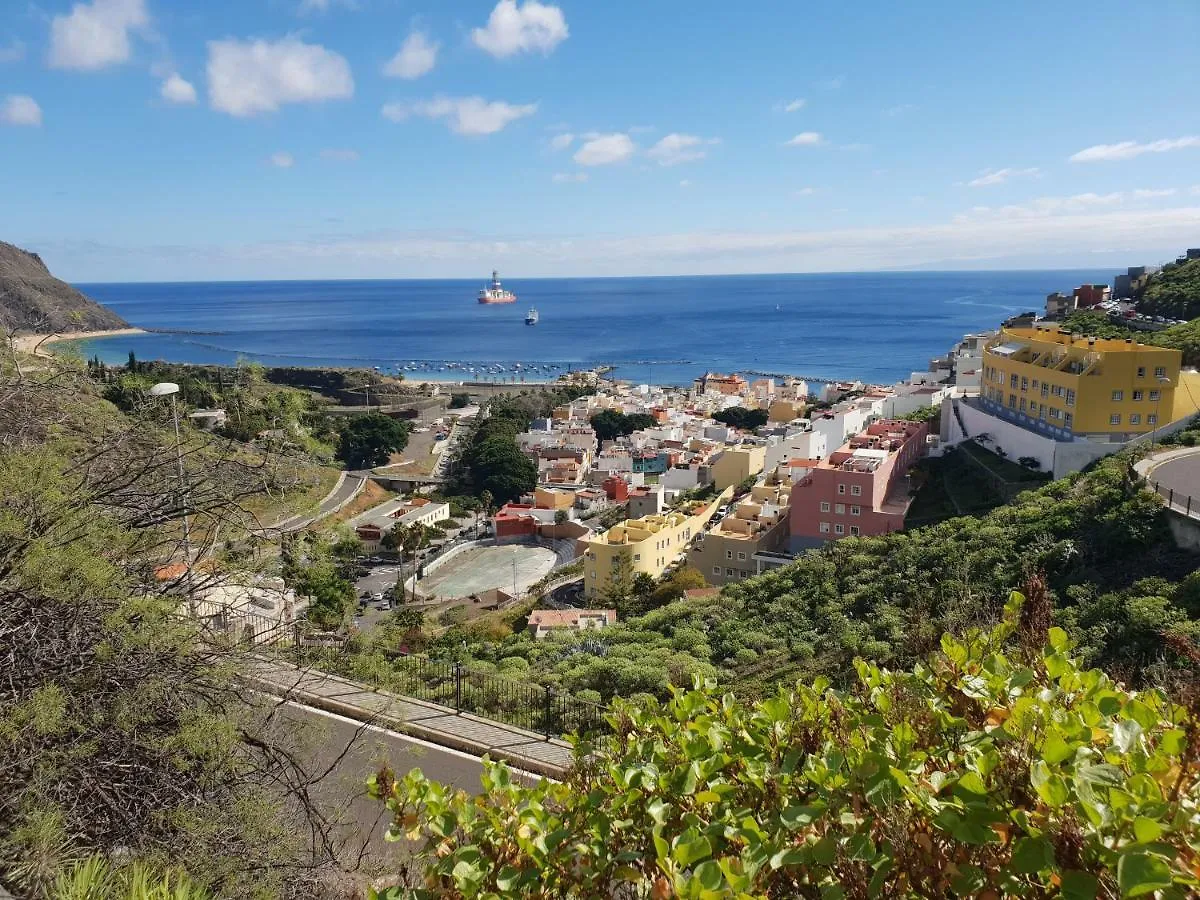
350 486
1175 474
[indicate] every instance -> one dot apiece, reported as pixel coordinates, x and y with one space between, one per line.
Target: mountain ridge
32 299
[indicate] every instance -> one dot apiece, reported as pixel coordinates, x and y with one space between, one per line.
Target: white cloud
1131 149
569 177
1042 207
1150 193
898 110
470 116
795 105
177 90
250 77
679 148
999 176
514 29
604 149
806 192
323 6
685 183
417 56
14 52
94 35
806 139
282 160
340 155
19 109
561 141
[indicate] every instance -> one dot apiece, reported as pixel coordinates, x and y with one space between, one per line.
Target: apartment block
649 544
861 488
758 524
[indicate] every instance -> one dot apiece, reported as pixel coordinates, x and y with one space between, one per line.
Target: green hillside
1174 292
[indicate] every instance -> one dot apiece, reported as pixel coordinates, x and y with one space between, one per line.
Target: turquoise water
871 326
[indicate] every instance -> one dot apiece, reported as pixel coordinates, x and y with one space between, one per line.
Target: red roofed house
543 622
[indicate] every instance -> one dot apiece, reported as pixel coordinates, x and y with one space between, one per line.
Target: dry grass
371 495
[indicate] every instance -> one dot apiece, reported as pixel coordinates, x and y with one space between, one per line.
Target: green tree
458 401
740 417
1000 767
610 424
368 441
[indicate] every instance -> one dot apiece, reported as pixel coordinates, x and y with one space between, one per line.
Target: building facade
861 488
1063 385
758 524
648 545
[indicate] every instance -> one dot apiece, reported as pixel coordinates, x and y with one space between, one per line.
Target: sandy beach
38 343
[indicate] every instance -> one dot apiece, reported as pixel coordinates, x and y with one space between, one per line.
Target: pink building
861 489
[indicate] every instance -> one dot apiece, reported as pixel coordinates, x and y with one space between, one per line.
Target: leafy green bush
998 767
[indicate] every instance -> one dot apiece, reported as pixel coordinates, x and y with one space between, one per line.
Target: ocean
876 327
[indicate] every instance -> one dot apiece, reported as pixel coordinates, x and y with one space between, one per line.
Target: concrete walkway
437 724
1175 475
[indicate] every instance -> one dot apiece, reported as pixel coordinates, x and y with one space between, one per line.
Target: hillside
1173 292
31 299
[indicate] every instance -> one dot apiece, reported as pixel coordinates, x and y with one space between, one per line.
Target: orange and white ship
493 293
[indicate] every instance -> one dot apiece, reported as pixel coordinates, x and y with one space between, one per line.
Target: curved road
350 486
1175 475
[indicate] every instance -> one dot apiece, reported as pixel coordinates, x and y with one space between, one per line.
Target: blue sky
213 139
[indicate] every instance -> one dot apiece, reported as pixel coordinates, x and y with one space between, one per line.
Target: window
856 510
1024 384
1160 371
1152 419
824 528
741 557
854 530
729 572
1137 395
824 506
729 554
1058 390
1012 381
1154 395
636 557
716 570
1118 396
1041 410
840 509
1068 420
1035 384
1141 373
1022 404
1054 414
856 490
1114 419
1135 419
1012 401
1070 397
841 489
839 528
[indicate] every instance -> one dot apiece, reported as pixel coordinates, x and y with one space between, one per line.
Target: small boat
531 317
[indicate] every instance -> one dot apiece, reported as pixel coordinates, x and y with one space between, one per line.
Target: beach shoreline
38 344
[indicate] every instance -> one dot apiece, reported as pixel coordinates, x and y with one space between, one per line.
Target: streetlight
170 389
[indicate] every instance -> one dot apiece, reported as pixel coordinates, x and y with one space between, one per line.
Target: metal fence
1177 500
533 707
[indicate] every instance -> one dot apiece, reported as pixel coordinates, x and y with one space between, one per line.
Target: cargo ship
531 317
493 293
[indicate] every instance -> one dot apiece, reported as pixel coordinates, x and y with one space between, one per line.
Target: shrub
984 772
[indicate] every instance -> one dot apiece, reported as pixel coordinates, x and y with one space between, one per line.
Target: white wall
680 479
805 445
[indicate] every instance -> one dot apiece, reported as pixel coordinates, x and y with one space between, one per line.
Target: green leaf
1058 639
832 892
792 856
657 810
686 853
509 878
794 817
1146 830
1056 750
708 873
1032 854
1140 873
824 851
1172 742
971 781
1078 885
1054 791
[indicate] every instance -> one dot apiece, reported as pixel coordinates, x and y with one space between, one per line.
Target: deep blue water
872 326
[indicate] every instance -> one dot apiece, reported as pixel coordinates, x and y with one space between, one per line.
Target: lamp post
169 389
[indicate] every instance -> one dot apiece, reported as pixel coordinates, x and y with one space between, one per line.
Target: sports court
482 568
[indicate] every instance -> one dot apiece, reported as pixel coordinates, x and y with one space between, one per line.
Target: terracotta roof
803 463
565 618
697 593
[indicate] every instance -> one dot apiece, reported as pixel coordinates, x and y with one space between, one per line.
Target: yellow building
649 544
1068 386
736 465
544 498
785 410
758 524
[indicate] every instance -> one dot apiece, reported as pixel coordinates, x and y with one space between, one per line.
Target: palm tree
408 541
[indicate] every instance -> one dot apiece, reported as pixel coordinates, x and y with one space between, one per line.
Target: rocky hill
31 299
1174 291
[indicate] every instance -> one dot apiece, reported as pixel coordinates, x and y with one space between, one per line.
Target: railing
533 707
1177 500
